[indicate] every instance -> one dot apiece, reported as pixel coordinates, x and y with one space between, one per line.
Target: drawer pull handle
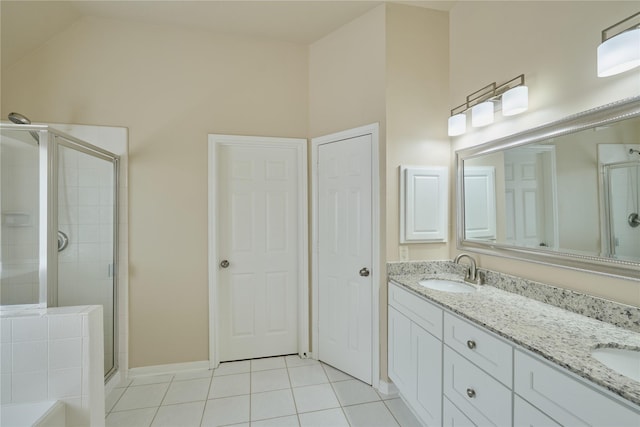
471 393
471 344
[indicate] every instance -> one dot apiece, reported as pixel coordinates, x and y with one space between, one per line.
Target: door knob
364 272
224 263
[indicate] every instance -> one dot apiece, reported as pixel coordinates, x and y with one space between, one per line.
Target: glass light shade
457 124
619 54
515 101
482 114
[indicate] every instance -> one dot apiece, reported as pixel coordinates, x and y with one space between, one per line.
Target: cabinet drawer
485 350
423 313
483 399
566 399
525 415
453 417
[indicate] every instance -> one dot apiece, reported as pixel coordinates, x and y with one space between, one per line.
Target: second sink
622 360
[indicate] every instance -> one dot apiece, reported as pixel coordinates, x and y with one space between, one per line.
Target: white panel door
480 202
257 228
345 252
525 210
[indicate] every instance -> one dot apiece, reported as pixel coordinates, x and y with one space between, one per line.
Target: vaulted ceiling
25 25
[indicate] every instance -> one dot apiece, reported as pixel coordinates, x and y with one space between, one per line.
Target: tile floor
278 391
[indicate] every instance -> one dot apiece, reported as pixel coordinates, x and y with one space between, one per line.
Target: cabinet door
402 369
526 415
423 204
429 376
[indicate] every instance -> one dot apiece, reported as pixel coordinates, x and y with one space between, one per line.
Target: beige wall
554 44
171 88
347 76
417 95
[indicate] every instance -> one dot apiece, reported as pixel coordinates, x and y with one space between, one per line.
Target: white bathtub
36 414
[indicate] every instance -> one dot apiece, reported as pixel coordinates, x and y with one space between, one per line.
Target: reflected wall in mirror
566 193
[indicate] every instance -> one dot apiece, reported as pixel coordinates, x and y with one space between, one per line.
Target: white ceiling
26 25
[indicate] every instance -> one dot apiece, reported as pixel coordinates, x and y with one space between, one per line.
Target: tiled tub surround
55 354
511 308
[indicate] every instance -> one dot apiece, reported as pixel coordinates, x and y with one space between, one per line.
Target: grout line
162 400
391 412
116 402
250 393
293 396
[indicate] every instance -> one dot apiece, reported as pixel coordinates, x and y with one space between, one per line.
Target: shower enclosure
59 225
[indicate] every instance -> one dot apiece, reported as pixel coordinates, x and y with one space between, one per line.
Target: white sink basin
623 361
447 286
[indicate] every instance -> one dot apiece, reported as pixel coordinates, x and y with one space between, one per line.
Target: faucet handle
479 277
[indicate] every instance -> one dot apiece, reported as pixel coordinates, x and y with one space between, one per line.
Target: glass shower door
622 207
86 218
20 231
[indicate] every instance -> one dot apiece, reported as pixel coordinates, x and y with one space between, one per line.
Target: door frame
300 145
373 130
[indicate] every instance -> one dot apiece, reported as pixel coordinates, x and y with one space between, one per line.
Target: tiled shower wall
55 354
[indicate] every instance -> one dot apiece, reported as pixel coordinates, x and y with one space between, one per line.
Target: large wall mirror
567 193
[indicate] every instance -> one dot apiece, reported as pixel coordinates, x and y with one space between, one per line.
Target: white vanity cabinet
454 373
415 353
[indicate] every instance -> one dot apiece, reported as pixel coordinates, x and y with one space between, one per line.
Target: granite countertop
560 336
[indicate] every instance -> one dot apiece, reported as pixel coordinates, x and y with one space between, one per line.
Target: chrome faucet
472 275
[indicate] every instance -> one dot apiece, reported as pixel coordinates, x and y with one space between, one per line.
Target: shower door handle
63 241
224 263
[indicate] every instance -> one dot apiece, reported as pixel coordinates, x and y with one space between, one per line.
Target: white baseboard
171 368
387 387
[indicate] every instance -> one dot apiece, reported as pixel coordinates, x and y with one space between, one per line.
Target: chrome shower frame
49 141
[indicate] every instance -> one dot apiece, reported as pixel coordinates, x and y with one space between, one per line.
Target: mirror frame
601 116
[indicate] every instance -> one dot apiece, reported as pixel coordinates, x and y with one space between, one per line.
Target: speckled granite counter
560 336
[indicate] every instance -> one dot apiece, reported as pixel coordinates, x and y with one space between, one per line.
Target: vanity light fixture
482 114
457 124
620 52
512 97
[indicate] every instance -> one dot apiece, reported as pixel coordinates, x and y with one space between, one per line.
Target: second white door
345 282
260 258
